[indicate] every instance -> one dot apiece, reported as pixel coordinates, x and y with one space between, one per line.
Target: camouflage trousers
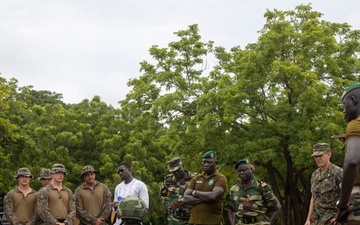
173 220
353 218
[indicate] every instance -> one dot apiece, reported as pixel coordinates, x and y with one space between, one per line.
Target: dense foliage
270 101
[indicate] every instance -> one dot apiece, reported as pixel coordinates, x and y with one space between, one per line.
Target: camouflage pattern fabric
325 188
19 209
172 195
250 205
96 199
43 204
353 218
132 207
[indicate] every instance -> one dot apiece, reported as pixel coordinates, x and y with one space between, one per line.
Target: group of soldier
55 204
191 198
195 198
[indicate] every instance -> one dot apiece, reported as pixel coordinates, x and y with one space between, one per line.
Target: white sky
83 48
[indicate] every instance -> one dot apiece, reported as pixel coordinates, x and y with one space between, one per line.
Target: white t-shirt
133 188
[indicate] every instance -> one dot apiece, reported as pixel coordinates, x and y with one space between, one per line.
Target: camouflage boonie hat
23 171
174 164
132 207
320 148
58 168
86 169
45 174
209 154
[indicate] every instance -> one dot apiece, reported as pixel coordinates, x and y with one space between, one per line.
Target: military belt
251 219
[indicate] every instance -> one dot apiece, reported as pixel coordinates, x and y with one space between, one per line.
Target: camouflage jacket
45 201
325 189
92 204
252 202
19 209
172 191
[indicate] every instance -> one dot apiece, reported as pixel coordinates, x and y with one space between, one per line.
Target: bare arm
191 200
231 216
210 196
275 211
350 170
311 210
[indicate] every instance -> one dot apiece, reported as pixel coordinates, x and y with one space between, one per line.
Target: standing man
172 192
20 203
129 186
250 199
93 199
56 203
206 193
45 177
325 187
350 194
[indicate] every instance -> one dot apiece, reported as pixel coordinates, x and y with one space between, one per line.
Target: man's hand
100 221
342 213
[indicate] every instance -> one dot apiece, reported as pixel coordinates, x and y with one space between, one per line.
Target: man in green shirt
206 193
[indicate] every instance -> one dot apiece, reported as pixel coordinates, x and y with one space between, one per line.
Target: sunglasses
121 170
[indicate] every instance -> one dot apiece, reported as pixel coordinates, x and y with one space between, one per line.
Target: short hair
127 165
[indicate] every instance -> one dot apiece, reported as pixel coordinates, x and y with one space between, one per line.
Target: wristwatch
342 207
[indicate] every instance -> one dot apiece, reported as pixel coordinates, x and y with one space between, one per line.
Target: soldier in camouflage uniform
250 200
325 187
172 192
45 177
132 211
349 202
56 203
93 199
20 203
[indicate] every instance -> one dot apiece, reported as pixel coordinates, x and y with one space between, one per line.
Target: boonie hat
45 174
23 171
58 168
86 169
320 148
174 164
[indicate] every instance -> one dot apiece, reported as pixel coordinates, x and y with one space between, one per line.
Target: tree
290 82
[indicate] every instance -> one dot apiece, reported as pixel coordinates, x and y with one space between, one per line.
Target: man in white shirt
129 186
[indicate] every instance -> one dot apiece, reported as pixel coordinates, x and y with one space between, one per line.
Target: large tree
270 101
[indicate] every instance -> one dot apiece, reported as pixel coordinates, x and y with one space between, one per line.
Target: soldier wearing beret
45 177
348 205
172 192
93 199
20 203
56 203
206 193
325 187
250 200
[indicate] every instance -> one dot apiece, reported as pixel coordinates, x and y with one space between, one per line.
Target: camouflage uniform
172 194
250 205
53 203
325 189
94 203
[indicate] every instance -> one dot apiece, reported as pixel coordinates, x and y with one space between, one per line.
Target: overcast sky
83 48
